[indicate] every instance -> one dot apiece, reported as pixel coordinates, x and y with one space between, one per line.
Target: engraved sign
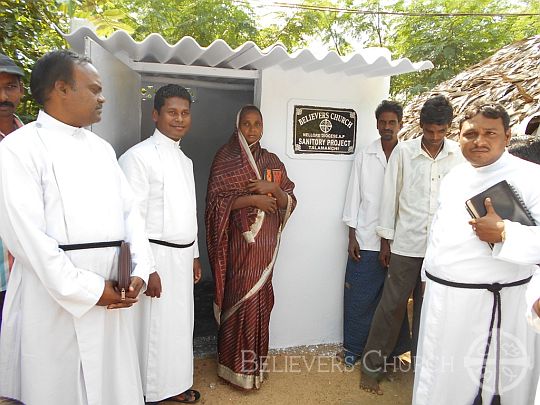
324 130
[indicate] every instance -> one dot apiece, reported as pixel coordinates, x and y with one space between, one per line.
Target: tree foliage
451 43
105 16
299 27
204 20
27 32
30 28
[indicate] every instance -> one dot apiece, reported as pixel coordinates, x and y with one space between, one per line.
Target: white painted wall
120 123
309 272
310 269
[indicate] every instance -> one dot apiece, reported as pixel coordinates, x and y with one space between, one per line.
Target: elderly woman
248 203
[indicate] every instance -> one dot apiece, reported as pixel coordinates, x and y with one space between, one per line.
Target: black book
124 268
506 202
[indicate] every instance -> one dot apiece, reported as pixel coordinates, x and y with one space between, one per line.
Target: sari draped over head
242 248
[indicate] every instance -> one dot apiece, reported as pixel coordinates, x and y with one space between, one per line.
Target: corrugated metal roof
370 62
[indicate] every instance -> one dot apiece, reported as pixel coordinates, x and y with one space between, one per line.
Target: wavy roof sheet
370 62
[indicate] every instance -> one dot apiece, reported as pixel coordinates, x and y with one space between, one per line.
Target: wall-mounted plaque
324 130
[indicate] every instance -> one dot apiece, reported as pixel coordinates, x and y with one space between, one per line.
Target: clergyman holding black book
474 345
65 207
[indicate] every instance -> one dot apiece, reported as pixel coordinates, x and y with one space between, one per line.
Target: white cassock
62 185
455 321
162 179
533 294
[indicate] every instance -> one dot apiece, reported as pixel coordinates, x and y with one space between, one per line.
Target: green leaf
114 14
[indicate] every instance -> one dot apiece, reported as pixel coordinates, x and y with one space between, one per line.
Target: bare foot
391 370
370 384
392 376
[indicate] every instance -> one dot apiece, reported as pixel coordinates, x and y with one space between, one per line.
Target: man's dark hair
488 110
389 106
168 91
437 110
526 148
52 67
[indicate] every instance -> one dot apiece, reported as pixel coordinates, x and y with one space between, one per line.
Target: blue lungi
364 282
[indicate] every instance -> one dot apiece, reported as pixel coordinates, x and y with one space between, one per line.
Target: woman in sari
248 203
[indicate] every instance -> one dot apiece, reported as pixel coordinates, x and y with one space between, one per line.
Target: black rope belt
495 288
91 245
170 244
117 243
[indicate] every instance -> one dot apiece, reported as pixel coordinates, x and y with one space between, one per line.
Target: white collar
161 139
47 121
444 152
498 164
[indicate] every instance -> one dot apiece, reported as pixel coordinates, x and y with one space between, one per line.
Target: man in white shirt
411 187
364 276
161 176
61 189
474 346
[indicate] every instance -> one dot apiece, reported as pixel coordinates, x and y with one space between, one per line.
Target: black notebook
506 202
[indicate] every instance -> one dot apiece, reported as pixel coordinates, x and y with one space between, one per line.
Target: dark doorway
205 331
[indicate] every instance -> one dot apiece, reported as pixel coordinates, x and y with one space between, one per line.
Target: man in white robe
457 319
161 176
533 313
65 339
530 151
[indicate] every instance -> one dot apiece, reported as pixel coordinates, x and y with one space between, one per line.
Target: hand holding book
490 227
490 207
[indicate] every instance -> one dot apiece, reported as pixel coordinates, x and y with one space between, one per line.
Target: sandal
187 395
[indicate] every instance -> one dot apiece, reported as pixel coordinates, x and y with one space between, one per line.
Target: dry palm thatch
510 77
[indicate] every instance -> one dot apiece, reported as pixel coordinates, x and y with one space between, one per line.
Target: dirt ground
302 376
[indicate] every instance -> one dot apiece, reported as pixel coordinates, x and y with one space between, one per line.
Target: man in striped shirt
11 91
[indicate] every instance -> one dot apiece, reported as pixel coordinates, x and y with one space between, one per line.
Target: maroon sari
242 247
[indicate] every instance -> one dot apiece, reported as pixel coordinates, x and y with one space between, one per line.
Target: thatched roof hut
510 77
